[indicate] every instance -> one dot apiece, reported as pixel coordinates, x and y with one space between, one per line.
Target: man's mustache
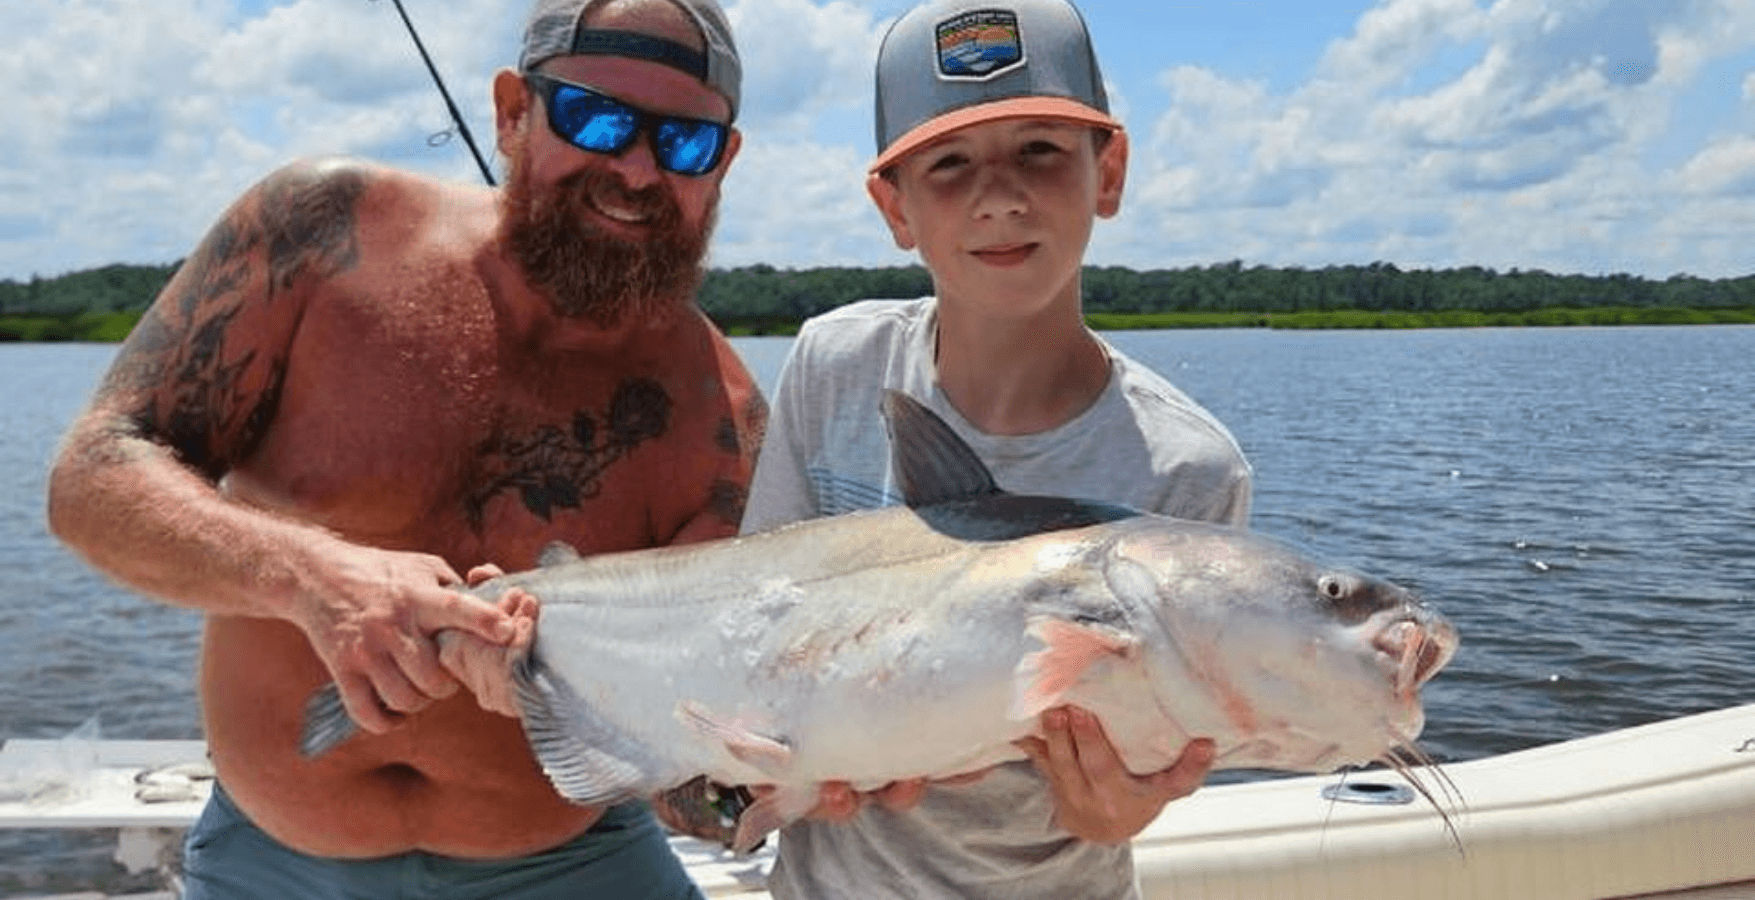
590 187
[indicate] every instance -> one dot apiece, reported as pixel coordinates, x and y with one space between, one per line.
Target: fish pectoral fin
1069 649
587 758
769 754
776 810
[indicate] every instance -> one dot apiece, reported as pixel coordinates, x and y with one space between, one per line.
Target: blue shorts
625 855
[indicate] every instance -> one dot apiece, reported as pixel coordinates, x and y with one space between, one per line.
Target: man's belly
453 780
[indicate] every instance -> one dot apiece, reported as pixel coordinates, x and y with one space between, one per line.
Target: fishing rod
456 116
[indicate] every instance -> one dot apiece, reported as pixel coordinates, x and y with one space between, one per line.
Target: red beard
589 272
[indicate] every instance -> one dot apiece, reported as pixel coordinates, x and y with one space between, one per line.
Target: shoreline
115 327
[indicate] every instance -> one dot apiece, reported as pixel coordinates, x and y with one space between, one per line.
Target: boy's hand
1095 796
837 801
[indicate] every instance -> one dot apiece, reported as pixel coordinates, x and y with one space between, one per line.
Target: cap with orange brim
949 64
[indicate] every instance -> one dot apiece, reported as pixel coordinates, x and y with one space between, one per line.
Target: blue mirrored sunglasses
599 123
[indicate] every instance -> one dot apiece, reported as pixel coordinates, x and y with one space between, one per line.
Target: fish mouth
1415 647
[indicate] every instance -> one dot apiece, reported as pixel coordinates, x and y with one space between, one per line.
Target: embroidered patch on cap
979 44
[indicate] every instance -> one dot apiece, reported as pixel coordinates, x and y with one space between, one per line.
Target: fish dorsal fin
557 553
932 464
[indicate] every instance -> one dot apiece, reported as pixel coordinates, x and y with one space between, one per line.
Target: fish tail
327 724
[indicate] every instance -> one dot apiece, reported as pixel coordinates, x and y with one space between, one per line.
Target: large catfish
925 640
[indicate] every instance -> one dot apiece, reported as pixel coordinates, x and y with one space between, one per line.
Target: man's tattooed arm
202 372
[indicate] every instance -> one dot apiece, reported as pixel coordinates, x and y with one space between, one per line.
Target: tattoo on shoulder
312 226
556 468
200 394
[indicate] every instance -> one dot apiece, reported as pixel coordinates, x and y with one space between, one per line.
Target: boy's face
1004 209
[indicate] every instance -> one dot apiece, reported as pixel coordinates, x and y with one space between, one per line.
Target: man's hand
1095 796
486 668
372 622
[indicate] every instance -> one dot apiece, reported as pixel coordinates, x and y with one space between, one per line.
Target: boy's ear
888 198
512 104
1111 174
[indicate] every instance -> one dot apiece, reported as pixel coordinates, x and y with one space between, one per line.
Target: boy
996 153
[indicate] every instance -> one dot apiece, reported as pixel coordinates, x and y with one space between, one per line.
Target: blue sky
1586 136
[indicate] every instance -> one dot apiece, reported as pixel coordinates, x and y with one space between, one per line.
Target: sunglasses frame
645 121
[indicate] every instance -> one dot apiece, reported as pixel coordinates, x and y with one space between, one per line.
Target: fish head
1287 662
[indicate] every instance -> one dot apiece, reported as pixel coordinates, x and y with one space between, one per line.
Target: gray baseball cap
556 28
948 64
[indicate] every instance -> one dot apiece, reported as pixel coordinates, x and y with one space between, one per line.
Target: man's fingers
420 664
362 705
466 613
482 573
395 692
483 668
523 608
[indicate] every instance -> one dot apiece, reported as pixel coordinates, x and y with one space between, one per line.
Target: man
363 385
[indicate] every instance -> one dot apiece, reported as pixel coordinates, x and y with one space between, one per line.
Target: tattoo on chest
560 468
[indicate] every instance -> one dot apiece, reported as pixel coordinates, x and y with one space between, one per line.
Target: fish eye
1331 587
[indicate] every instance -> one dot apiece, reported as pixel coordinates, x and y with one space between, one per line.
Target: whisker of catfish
1404 767
1414 756
1329 813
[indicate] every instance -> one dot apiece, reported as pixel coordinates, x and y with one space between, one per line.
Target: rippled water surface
1581 502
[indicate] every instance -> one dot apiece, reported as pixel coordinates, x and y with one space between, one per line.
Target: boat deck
1665 810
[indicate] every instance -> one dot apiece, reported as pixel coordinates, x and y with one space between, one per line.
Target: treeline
764 299
763 294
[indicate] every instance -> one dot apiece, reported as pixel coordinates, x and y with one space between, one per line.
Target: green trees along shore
103 304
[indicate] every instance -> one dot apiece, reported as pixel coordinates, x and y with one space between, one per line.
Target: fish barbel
924 640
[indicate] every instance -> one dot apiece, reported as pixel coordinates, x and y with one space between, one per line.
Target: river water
1581 502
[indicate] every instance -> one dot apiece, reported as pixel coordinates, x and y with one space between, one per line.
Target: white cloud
1503 133
1725 168
802 59
1438 133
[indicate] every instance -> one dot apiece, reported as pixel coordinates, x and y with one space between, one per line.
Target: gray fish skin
925 640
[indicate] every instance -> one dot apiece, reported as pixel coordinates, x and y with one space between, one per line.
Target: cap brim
1014 108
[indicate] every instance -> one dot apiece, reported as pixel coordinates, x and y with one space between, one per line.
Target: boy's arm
135 486
780 491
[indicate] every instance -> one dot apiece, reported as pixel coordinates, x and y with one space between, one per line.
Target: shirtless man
362 386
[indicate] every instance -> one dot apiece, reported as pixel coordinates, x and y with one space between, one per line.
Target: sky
1571 136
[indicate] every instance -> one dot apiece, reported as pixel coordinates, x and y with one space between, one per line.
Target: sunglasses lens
599 124
689 147
591 121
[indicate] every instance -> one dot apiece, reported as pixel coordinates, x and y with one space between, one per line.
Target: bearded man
364 386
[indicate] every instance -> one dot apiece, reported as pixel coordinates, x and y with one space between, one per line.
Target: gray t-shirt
1143 443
